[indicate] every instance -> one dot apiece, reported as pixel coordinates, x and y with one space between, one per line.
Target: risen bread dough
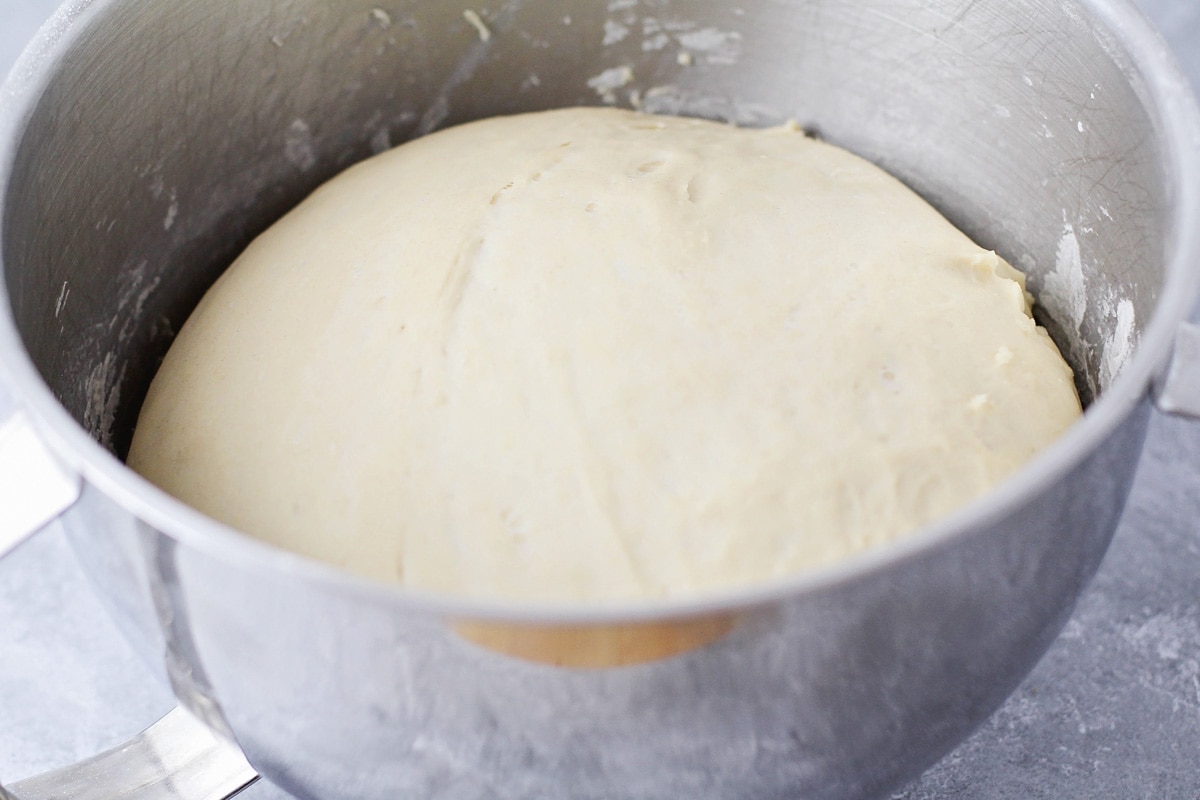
596 355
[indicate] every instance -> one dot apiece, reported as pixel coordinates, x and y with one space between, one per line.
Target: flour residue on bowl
687 43
714 45
614 32
709 43
1119 347
1065 294
137 286
61 302
102 388
172 210
606 83
102 391
1065 291
1066 286
476 21
298 145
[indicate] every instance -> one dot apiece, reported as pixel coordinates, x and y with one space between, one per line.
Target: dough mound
594 355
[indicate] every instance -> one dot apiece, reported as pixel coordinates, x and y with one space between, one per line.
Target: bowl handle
1177 391
35 487
176 758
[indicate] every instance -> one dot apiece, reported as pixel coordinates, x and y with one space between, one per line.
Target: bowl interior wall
175 131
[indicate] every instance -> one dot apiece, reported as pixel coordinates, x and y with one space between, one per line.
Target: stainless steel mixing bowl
143 143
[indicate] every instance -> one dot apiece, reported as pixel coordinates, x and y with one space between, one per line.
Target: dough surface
590 355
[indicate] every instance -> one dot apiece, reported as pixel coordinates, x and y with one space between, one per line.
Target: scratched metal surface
1113 711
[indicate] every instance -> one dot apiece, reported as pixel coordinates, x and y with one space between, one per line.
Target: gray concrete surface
1113 711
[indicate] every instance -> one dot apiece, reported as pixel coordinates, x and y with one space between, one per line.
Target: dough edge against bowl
572 326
